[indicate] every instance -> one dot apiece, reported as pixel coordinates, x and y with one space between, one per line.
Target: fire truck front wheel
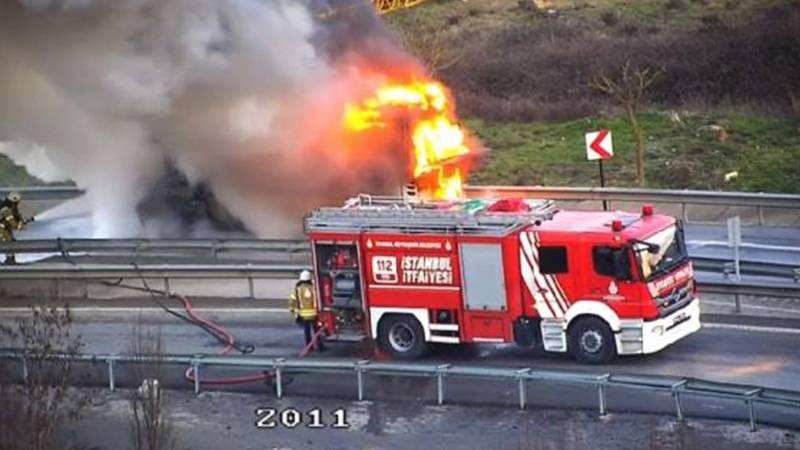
402 336
591 341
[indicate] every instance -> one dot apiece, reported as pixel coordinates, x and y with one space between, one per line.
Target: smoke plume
242 96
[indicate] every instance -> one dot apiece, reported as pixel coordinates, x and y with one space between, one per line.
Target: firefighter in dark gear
11 221
303 306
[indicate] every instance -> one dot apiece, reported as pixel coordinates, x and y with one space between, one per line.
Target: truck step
347 337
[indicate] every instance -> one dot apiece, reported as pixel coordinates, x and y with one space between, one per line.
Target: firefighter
303 306
10 221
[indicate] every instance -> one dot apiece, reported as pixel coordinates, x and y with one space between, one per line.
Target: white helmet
14 197
305 275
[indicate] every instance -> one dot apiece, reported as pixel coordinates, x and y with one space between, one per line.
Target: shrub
677 5
541 71
150 420
35 408
610 18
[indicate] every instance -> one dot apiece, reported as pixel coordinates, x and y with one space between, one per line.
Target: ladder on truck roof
394 214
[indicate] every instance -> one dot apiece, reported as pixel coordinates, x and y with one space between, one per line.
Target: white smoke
242 95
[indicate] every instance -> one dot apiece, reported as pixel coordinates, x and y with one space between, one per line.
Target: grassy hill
521 77
522 74
14 175
679 155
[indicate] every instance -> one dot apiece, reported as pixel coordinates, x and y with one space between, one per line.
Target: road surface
717 352
726 355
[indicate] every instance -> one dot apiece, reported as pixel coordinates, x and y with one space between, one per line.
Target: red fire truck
595 284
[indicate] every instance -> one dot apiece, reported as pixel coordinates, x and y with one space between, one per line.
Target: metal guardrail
677 387
759 201
781 288
291 247
789 272
44 192
214 247
106 271
749 289
139 246
722 198
59 273
609 194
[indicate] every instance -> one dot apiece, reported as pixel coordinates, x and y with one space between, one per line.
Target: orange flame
438 144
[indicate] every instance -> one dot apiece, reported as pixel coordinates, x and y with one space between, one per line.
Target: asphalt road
727 355
717 352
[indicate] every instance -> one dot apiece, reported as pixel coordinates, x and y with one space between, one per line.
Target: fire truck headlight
659 330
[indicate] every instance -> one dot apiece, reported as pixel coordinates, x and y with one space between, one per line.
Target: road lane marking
751 328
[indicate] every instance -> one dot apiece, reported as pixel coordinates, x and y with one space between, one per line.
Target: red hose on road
224 335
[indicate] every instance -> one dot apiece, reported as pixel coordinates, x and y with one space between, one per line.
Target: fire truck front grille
674 300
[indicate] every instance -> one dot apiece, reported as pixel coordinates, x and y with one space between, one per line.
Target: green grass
457 15
765 152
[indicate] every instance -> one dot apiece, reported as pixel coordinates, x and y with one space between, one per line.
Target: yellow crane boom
381 6
387 6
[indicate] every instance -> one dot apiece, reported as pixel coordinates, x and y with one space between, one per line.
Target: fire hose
221 334
213 329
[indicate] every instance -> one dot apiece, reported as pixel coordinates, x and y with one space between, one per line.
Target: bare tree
628 88
150 422
41 401
431 47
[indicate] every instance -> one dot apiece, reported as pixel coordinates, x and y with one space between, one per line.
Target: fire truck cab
595 284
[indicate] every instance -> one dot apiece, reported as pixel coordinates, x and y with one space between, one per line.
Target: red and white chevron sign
598 145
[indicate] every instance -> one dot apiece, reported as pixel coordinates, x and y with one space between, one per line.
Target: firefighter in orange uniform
303 306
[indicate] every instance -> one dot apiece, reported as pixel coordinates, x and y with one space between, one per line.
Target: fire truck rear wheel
402 336
591 341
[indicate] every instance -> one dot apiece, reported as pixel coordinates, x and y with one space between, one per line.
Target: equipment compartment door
483 277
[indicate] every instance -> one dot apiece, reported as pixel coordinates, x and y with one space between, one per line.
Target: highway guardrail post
751 407
676 393
196 370
111 380
361 367
166 287
441 371
251 289
522 385
278 365
678 389
601 393
24 368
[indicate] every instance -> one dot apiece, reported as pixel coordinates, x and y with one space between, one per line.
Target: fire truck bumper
640 337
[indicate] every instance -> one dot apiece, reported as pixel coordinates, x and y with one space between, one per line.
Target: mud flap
526 331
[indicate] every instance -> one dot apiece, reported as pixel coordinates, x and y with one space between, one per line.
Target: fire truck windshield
661 252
